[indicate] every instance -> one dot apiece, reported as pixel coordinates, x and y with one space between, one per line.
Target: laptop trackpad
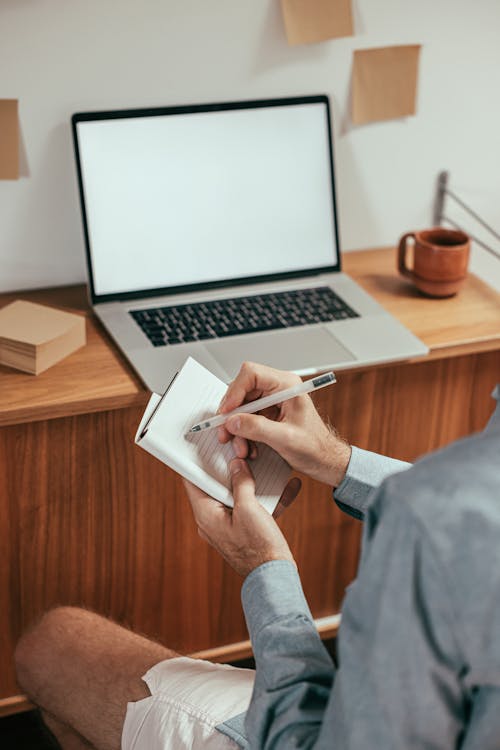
293 349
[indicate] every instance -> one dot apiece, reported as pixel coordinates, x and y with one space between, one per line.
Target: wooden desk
87 518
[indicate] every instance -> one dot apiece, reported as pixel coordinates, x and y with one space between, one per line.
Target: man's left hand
246 535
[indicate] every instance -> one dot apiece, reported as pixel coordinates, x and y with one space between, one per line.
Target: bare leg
82 670
66 737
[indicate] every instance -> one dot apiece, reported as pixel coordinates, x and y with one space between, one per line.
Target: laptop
211 231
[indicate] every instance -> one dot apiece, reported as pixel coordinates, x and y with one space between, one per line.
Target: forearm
294 671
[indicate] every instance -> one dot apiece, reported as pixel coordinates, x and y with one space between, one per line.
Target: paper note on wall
384 83
309 21
9 139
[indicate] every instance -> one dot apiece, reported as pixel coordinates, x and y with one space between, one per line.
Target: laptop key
237 315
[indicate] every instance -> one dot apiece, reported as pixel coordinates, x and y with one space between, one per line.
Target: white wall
62 56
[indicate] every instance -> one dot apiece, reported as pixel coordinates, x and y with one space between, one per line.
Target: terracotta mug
440 260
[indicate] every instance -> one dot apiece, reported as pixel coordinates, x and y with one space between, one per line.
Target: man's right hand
294 428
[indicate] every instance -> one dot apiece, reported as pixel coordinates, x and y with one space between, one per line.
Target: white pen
313 384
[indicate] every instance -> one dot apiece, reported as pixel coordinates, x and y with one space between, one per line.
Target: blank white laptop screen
199 197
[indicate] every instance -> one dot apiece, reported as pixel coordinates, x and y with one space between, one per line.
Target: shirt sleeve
397 654
294 672
366 470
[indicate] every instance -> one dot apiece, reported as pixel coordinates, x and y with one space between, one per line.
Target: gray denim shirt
419 643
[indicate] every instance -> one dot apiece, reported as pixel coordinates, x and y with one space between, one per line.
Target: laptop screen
180 198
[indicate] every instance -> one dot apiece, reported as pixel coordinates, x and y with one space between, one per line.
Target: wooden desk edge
139 399
73 409
14 705
134 393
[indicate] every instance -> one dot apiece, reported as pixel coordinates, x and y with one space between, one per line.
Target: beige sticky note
384 83
309 21
9 139
33 337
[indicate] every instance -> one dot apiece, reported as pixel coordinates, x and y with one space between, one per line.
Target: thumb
242 483
259 429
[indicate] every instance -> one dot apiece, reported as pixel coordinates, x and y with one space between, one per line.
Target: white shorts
189 697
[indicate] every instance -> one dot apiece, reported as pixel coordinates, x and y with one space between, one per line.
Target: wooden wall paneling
90 519
9 612
97 522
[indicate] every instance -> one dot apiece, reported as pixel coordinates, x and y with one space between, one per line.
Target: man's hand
246 536
294 429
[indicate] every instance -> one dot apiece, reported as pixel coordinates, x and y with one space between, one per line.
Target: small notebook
192 396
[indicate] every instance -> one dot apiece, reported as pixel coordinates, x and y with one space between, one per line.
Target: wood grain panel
97 522
89 519
9 592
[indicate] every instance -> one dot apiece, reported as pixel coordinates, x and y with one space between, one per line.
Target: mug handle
402 267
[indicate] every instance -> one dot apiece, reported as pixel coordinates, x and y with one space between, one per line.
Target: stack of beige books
34 337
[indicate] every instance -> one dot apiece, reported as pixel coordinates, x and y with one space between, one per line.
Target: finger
223 436
193 492
245 448
288 496
256 380
241 447
242 483
204 507
261 430
253 450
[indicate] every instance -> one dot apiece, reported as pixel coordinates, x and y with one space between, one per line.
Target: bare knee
39 651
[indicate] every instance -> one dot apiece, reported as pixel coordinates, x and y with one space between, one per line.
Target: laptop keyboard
178 324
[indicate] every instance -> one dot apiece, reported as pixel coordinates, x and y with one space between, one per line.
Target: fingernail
222 402
235 466
238 447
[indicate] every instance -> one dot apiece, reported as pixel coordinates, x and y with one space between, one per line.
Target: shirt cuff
366 470
271 591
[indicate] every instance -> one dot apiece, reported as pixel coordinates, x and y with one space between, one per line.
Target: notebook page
195 395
